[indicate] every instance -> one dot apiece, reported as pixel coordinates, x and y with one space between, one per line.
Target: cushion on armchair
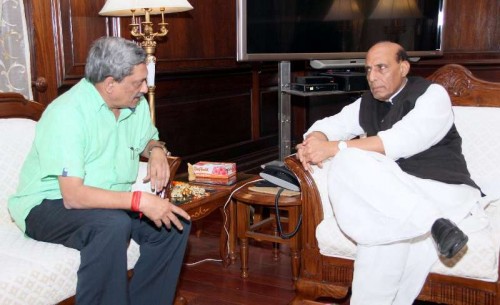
478 127
16 137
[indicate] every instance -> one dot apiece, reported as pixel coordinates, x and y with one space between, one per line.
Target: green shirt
79 136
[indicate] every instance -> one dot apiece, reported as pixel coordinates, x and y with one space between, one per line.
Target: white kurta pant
389 214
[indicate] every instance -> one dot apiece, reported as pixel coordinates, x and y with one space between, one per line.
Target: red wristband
136 202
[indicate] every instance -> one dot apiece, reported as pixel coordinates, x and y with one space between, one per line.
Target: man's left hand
158 170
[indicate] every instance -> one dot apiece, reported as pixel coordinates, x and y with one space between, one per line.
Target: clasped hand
313 151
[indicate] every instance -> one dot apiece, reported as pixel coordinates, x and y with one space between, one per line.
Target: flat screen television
335 32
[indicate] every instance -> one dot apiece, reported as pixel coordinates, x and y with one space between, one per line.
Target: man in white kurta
387 211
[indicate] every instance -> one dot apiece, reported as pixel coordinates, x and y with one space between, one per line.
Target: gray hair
112 56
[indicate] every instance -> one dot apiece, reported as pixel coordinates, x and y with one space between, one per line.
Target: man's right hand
162 211
314 150
301 155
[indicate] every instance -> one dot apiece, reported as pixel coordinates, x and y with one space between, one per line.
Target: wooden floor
209 283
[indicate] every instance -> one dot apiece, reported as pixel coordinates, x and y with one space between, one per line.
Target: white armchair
472 276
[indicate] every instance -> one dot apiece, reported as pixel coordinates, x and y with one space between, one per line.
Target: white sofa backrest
16 137
479 128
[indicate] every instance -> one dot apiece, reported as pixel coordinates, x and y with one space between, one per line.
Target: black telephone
280 176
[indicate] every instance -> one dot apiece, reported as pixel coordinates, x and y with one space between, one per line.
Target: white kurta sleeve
424 126
341 126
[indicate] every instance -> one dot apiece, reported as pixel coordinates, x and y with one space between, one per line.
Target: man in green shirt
75 184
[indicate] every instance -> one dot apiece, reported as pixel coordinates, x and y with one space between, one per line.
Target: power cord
224 226
203 261
278 218
225 205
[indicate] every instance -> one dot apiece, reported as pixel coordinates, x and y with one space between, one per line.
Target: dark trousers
102 237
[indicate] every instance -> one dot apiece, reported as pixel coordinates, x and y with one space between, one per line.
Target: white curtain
15 64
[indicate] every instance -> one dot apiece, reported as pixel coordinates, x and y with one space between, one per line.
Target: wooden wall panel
78 30
45 47
199 39
205 124
269 112
206 115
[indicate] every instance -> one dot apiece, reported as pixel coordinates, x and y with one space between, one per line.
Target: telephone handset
282 177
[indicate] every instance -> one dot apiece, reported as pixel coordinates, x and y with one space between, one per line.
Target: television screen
335 29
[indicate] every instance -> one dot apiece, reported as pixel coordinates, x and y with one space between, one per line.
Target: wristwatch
161 145
342 145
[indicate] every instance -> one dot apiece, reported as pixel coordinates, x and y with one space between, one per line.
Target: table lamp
148 36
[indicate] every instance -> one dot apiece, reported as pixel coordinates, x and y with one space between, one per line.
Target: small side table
199 208
244 198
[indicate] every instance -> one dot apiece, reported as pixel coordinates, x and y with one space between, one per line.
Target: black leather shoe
448 237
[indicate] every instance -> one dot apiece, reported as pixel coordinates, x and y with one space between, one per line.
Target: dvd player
314 87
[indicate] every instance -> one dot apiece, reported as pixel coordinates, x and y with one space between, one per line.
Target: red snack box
205 169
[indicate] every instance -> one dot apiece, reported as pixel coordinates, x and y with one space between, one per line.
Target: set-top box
314 87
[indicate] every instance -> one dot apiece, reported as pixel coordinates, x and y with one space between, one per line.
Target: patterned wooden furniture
244 198
326 276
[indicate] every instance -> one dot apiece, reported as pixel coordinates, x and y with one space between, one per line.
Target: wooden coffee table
199 208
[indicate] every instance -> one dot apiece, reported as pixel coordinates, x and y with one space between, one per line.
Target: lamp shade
124 7
387 9
343 10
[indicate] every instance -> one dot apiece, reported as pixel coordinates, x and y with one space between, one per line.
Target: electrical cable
224 226
224 209
278 218
202 261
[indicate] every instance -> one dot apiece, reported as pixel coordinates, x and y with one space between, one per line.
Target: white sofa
33 272
472 276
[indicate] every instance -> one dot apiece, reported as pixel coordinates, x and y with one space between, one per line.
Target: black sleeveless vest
442 162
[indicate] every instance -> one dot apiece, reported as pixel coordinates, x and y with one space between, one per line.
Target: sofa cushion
16 137
478 127
36 272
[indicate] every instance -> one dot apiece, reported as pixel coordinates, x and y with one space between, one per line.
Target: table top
251 197
218 196
240 177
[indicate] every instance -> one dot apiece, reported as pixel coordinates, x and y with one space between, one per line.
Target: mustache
138 96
